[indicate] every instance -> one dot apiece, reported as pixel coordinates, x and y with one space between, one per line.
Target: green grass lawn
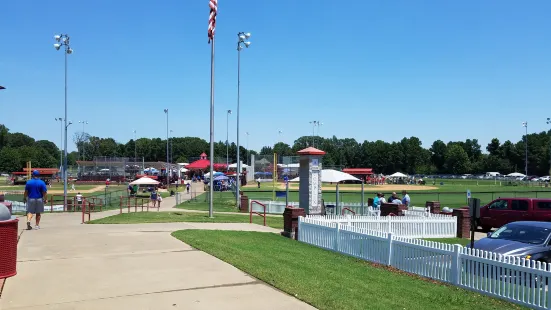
171 217
223 202
461 241
453 196
328 280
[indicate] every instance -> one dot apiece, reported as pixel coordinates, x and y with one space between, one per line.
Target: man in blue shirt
35 191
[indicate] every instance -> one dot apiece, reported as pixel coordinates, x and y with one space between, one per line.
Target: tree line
406 155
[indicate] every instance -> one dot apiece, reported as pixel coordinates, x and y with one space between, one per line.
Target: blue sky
371 70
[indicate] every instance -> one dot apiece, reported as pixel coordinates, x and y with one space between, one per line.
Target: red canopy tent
204 163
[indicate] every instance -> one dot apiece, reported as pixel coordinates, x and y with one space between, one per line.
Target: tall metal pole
135 148
65 138
167 164
211 187
228 139
525 125
248 160
241 36
238 175
60 143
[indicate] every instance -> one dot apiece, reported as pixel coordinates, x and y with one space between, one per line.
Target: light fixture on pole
314 124
241 42
228 140
279 135
2 87
60 120
525 125
62 40
83 137
167 176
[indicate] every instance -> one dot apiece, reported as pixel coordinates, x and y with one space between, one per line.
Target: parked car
506 210
530 240
545 178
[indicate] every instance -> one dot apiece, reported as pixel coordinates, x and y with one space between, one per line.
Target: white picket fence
511 278
438 226
277 207
20 207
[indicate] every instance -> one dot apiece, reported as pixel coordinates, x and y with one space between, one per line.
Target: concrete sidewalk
68 265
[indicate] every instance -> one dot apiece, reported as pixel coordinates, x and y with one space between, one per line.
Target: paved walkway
67 265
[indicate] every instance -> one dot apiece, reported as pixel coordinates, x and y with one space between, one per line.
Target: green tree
457 160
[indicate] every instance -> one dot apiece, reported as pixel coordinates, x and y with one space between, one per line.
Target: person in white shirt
405 199
382 199
79 199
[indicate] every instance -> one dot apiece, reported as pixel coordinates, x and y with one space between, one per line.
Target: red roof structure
311 151
204 164
358 170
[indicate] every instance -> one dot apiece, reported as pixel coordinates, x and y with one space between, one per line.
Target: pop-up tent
516 175
397 175
144 181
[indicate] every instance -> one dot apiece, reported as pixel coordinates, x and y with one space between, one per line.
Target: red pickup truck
506 210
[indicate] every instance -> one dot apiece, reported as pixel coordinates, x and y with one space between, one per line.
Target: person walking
153 197
35 191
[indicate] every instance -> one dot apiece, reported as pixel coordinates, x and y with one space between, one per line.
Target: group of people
380 199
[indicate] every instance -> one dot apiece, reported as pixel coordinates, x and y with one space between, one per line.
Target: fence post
456 265
337 237
424 234
389 237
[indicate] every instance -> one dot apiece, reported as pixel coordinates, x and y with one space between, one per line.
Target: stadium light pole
62 40
171 146
525 125
83 148
241 37
60 120
228 140
167 178
314 124
279 132
135 147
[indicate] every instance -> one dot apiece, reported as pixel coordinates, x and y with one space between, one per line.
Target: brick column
290 222
387 208
434 206
463 222
244 208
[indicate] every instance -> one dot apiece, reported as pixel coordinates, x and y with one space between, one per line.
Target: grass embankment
173 217
328 280
223 202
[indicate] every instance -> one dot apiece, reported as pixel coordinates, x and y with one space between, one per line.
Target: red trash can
8 248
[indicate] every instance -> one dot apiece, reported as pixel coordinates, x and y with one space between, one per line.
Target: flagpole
211 178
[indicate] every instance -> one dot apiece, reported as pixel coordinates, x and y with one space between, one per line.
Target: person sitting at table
382 199
392 197
376 201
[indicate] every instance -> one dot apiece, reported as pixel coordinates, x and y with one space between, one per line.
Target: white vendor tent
516 175
397 175
333 176
235 166
144 181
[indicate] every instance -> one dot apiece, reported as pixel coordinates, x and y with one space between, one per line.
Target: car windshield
522 233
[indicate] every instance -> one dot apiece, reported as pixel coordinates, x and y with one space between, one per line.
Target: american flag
213 4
